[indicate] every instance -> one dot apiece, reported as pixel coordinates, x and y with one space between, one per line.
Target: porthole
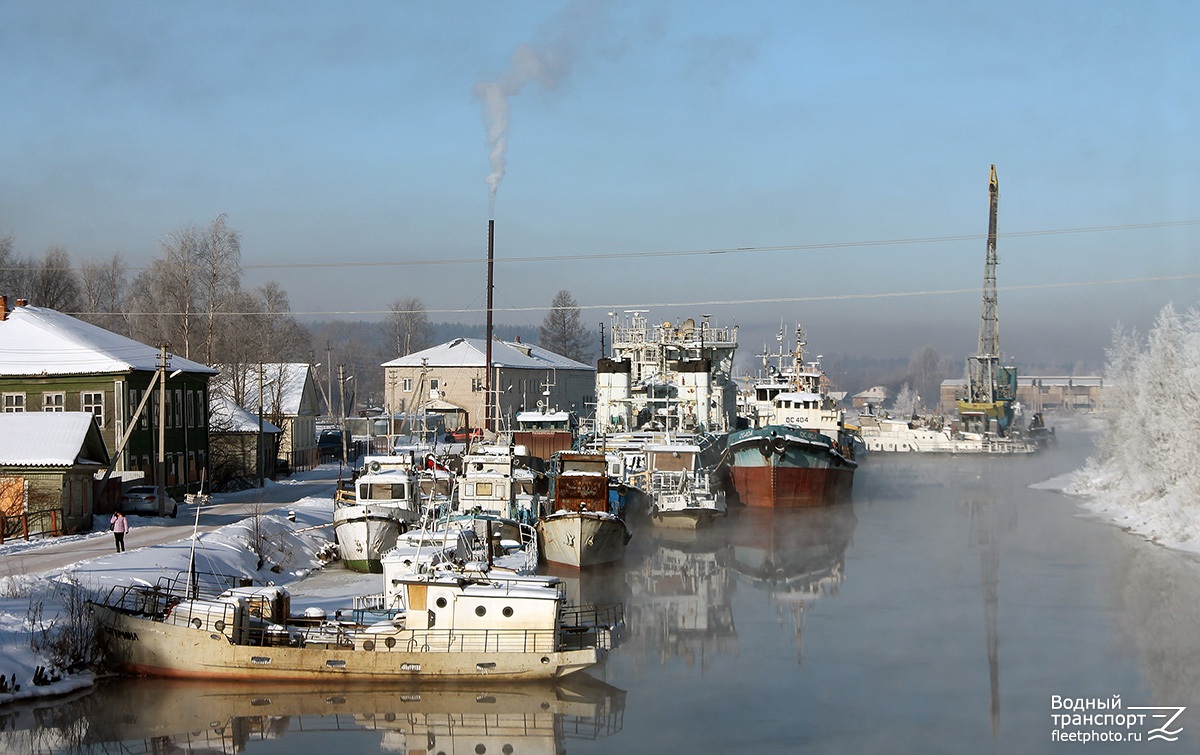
507 749
480 610
369 645
197 623
219 625
390 642
441 602
507 612
480 749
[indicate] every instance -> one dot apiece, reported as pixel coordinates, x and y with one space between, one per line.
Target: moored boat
786 466
585 527
681 490
385 502
433 626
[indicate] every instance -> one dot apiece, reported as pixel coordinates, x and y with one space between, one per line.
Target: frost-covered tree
407 328
1149 450
907 402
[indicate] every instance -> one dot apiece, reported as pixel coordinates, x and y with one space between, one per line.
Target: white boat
682 493
386 501
503 480
476 540
892 435
438 625
584 529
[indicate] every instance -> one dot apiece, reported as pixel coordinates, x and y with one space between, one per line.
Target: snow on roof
226 416
46 438
472 352
39 341
285 379
798 396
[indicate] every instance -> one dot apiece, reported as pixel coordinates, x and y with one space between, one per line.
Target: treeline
192 297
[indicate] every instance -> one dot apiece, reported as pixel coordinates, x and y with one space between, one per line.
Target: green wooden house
52 362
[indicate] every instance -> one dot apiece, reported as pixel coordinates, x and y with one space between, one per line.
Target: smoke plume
526 65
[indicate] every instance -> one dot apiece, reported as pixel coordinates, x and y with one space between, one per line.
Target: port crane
991 388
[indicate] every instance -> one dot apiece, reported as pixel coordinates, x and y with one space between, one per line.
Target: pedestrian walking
119 525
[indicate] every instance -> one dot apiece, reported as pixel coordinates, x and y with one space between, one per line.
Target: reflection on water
679 604
172 716
794 557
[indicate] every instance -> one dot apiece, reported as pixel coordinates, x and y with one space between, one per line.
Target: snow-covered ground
291 549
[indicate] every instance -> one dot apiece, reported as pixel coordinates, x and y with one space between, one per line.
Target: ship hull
364 534
580 539
784 467
154 648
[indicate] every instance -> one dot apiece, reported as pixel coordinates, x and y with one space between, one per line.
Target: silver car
143 499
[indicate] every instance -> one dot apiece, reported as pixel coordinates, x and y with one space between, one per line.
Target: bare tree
14 271
164 294
181 297
103 287
219 257
407 327
562 332
52 282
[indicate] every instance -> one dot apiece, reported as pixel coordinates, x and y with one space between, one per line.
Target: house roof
50 439
40 341
227 417
286 378
472 352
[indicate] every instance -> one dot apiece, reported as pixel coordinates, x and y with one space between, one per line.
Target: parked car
143 499
329 443
463 433
283 467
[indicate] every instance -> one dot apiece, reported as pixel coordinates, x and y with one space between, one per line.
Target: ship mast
983 369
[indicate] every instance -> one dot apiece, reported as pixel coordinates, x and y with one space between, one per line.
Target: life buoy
778 445
765 447
622 489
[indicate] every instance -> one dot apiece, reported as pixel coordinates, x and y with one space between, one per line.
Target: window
168 411
14 402
54 402
191 403
477 384
201 413
178 407
93 401
406 385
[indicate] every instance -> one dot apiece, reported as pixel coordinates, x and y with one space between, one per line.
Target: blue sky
785 133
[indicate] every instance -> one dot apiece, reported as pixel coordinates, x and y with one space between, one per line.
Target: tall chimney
487 369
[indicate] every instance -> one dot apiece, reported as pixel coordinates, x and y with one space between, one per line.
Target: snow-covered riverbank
291 548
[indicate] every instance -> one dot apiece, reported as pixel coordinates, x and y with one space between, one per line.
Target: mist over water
938 612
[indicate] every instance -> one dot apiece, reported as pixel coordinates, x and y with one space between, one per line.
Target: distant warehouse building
1039 394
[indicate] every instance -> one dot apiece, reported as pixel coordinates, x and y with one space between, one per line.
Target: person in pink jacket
120 525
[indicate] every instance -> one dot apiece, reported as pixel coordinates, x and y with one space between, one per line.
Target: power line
816 246
732 302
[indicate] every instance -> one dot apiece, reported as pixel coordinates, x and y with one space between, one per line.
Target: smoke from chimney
526 65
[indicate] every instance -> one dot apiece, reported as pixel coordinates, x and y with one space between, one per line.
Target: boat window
480 610
441 602
507 612
483 488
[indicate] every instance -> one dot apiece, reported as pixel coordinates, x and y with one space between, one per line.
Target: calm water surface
940 612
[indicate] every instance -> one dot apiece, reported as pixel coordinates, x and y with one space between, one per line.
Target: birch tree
102 288
407 327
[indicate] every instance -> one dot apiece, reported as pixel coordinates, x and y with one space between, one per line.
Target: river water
944 610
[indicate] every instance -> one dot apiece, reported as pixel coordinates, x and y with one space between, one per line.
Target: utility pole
342 406
262 463
161 471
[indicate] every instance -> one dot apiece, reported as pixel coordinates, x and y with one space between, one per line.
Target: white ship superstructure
673 377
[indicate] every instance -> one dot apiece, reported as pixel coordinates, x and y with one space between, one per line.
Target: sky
765 163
